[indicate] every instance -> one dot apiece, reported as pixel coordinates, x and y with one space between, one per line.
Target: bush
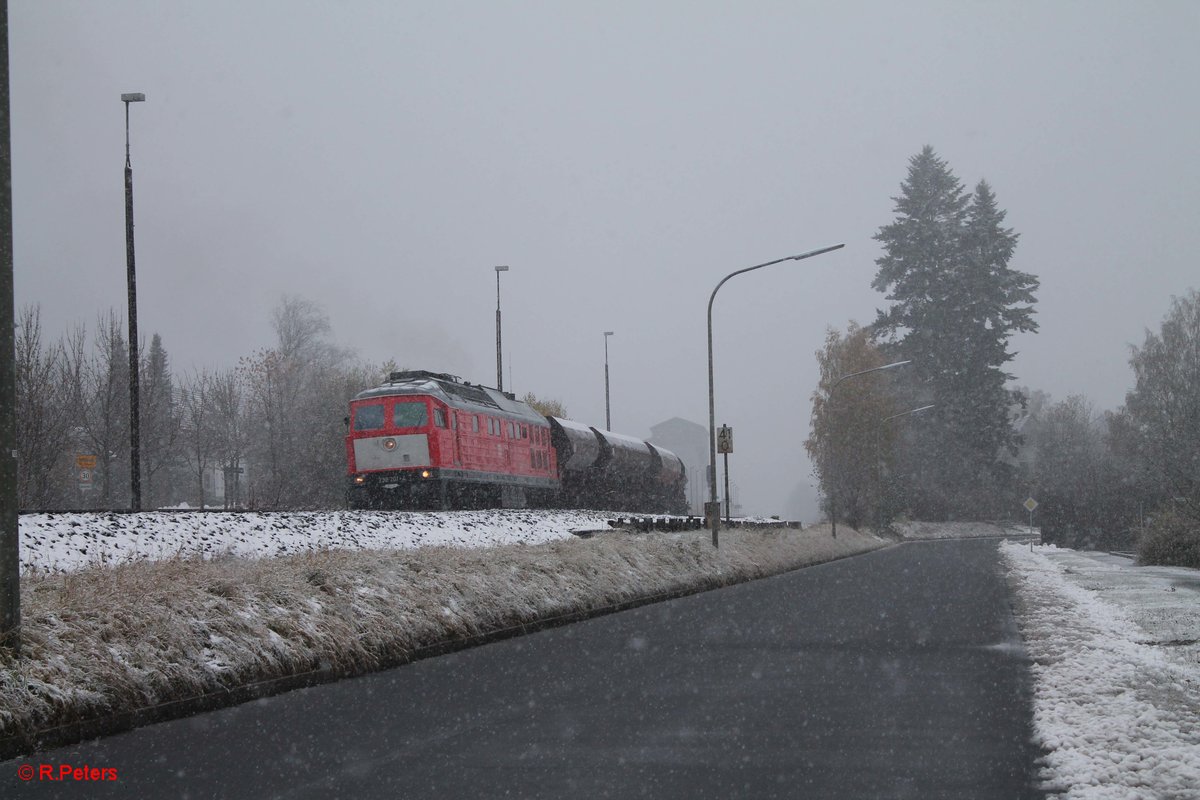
1172 539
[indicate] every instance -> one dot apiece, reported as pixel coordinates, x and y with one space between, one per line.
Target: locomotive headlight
424 473
389 444
360 479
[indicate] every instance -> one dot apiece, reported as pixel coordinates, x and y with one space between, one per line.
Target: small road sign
85 462
1030 504
724 439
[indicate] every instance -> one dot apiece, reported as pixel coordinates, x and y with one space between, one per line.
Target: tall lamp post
499 361
10 556
834 385
714 507
135 460
607 408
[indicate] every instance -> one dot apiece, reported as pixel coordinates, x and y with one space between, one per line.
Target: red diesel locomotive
430 440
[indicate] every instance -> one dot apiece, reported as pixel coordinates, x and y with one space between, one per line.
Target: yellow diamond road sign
1030 504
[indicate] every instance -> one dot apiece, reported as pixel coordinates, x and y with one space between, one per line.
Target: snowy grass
1116 710
110 639
913 531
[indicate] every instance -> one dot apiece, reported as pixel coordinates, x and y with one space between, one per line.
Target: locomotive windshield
368 418
410 415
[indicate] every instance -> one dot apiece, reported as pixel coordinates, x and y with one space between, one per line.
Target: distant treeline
272 425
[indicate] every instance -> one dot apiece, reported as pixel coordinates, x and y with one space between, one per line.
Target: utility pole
499 359
135 458
10 556
607 407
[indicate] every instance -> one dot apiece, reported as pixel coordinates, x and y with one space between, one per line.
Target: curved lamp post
834 385
714 509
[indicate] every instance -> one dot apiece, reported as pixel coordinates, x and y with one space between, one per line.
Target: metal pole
712 413
10 534
135 461
499 358
607 407
833 507
728 499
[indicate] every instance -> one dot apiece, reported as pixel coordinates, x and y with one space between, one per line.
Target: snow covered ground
128 611
957 530
1116 651
66 542
139 615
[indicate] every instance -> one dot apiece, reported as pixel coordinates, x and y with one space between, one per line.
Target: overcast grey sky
380 158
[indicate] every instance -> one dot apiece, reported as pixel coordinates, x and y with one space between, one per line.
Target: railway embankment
116 645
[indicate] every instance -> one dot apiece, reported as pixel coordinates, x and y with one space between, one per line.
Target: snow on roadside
108 641
73 541
1116 712
956 530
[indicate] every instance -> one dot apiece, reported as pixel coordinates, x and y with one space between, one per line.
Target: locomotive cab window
410 415
368 418
439 418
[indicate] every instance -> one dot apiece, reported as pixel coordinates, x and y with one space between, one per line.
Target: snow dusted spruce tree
159 423
955 304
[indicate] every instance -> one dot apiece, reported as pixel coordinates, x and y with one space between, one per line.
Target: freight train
431 440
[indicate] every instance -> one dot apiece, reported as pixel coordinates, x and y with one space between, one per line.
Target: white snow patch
74 541
958 530
1117 690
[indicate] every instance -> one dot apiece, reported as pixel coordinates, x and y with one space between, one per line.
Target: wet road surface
895 674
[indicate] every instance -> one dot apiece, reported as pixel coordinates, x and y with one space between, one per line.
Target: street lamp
607 408
880 463
906 413
834 478
499 365
135 461
713 510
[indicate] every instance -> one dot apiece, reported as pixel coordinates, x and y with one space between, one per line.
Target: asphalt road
895 674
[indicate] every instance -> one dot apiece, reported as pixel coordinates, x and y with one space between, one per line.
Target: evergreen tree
159 425
955 303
